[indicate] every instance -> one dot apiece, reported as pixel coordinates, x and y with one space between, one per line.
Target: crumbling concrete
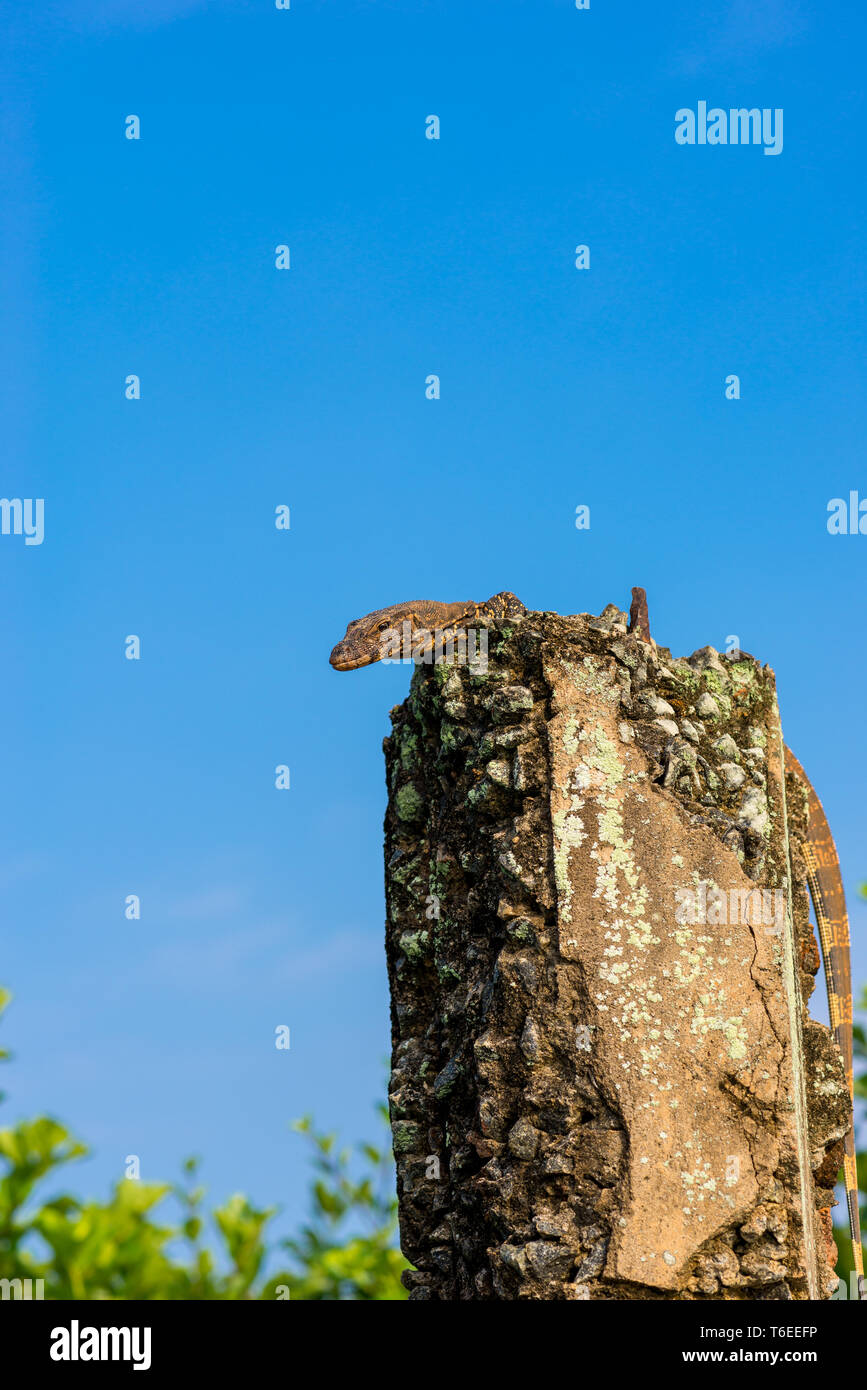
599 960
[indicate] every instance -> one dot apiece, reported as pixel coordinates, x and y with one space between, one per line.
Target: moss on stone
409 803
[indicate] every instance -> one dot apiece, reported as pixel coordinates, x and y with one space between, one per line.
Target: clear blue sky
306 387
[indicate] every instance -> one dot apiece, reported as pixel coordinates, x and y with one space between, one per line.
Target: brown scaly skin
829 905
365 637
364 644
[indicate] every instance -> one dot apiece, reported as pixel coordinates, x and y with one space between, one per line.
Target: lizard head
365 638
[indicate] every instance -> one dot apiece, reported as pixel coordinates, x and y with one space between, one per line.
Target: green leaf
118 1248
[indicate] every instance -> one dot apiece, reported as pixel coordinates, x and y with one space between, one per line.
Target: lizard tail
837 978
829 906
850 1174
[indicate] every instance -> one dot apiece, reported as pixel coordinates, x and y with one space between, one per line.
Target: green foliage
841 1231
366 1266
118 1250
859 1032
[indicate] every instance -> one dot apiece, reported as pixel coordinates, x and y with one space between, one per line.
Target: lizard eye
382 627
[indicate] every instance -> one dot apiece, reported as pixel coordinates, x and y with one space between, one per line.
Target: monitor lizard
364 644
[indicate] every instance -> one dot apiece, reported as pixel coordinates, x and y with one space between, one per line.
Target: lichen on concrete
591 1098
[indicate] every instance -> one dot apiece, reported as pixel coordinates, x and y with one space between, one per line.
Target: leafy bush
841 1231
120 1250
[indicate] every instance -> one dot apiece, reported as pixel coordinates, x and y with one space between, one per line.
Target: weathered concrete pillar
599 1085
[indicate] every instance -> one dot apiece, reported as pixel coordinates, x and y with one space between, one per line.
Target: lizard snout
343 658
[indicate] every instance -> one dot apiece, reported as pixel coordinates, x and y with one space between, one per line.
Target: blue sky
306 387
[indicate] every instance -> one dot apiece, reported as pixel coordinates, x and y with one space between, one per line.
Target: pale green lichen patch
451 736
606 759
408 803
408 749
569 833
599 766
403 872
742 671
447 974
591 678
572 736
618 863
733 1029
414 944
